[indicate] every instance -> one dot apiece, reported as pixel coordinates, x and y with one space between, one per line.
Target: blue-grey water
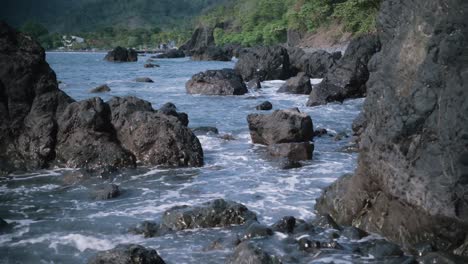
58 222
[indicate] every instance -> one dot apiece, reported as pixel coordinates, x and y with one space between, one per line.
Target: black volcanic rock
411 180
348 77
120 54
127 254
40 126
315 64
216 82
211 53
171 54
101 89
201 37
264 63
216 213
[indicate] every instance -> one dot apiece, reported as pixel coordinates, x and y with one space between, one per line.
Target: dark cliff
411 184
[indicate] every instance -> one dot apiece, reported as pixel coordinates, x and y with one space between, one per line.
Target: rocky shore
410 185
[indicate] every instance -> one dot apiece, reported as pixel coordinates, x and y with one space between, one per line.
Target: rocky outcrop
30 102
265 106
297 85
315 64
127 254
170 54
216 213
287 133
216 82
40 126
411 181
348 77
248 252
170 109
86 138
152 136
264 63
211 53
120 54
201 37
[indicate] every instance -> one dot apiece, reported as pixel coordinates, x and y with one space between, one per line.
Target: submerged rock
404 187
257 230
265 106
144 79
101 89
171 54
4 226
380 249
264 63
106 192
216 213
151 65
127 254
285 225
217 82
120 54
282 126
248 252
297 85
347 79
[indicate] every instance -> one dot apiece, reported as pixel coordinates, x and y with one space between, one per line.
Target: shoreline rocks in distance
210 53
120 54
217 82
171 54
403 187
144 80
315 64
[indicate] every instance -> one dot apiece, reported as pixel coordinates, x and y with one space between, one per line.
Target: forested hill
92 15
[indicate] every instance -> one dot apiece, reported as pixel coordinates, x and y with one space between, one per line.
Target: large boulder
411 180
217 82
348 77
152 136
315 64
120 54
171 54
297 85
127 254
264 63
211 53
216 213
30 101
201 37
282 126
86 138
40 126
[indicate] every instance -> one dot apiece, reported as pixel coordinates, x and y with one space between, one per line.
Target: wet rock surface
106 192
265 106
127 254
101 89
348 77
216 213
217 82
297 85
211 53
120 54
249 253
264 63
403 188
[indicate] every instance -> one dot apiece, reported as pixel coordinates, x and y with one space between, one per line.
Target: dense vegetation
146 23
252 22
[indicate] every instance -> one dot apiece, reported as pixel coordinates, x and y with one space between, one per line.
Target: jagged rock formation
201 37
299 84
411 183
41 126
315 64
348 77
